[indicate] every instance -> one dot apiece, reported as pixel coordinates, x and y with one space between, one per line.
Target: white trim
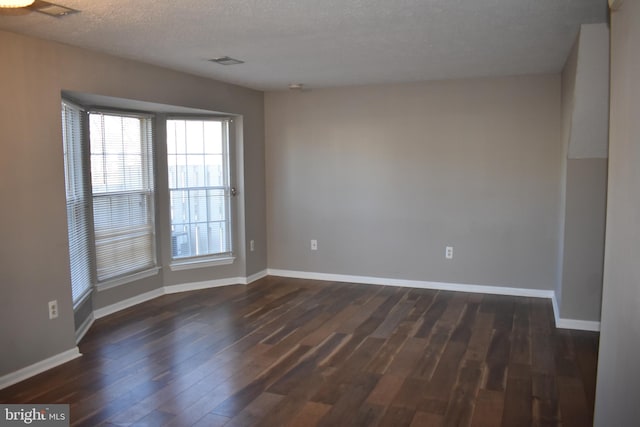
83 298
256 276
129 302
189 264
172 289
84 328
194 286
71 354
39 367
112 283
580 325
556 309
481 289
583 325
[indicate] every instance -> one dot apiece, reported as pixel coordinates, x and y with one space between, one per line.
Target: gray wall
584 239
585 105
34 265
385 177
618 387
590 115
568 80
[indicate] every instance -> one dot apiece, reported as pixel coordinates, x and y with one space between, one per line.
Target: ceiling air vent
226 60
52 9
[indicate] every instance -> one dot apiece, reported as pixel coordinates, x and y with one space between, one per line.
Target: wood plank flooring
288 352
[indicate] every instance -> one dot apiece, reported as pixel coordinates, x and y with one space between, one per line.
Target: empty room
358 213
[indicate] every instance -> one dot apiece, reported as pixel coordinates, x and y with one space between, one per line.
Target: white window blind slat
77 201
123 193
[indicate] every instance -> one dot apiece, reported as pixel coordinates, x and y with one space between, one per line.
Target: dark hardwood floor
286 352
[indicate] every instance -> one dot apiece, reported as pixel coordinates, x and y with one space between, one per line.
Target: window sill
103 286
201 263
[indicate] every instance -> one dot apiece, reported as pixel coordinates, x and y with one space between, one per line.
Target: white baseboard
51 362
129 302
195 286
556 309
583 325
172 289
39 367
36 368
84 328
257 276
481 289
580 325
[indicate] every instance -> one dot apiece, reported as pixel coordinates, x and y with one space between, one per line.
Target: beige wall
618 387
385 177
34 257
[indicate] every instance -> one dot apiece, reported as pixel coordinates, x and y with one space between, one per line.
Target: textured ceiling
324 43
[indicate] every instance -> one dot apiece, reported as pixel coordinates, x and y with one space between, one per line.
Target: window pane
181 136
180 246
195 137
172 167
217 205
179 207
113 212
213 137
217 236
114 173
131 135
178 171
113 143
171 138
96 130
98 179
133 172
215 170
198 206
195 171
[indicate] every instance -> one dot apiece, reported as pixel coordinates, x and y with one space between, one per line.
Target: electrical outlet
252 245
53 309
448 253
314 245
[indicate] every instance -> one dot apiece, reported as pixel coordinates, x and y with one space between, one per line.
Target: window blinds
123 193
77 201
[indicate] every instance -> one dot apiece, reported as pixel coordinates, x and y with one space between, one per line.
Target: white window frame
149 192
78 201
212 259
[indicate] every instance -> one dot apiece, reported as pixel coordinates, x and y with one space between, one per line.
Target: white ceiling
324 43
